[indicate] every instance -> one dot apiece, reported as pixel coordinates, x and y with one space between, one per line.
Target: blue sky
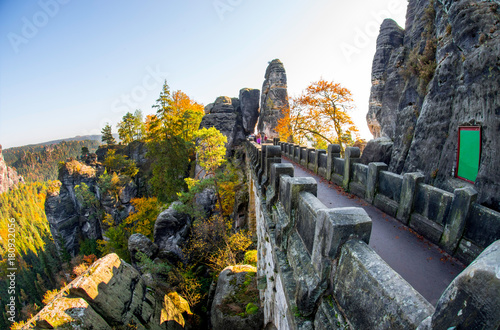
69 66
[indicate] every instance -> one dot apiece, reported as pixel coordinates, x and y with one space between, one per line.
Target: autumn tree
107 135
320 115
169 134
211 152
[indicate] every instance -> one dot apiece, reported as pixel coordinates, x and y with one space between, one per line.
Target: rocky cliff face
274 98
439 73
233 117
111 294
69 221
8 175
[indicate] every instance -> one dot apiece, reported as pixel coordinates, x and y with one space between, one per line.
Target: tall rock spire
274 99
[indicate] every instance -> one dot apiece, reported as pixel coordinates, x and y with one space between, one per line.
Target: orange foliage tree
320 115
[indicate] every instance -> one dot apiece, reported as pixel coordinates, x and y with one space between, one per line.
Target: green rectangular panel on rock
469 152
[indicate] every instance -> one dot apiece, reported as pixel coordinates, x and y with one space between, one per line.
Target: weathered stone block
290 189
373 295
372 180
334 227
408 193
317 158
455 225
351 155
277 170
472 300
308 208
309 287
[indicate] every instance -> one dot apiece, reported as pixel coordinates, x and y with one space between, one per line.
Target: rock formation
170 233
236 300
249 103
440 73
69 222
233 117
8 175
274 98
141 243
111 294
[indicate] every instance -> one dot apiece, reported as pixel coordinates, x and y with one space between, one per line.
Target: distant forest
38 163
39 266
36 260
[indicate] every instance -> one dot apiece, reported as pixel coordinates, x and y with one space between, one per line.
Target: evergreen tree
126 128
169 134
107 135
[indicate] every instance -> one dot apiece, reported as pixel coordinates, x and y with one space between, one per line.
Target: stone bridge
316 270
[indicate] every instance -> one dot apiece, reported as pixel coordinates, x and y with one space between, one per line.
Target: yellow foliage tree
320 115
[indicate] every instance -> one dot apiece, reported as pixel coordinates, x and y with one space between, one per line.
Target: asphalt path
421 263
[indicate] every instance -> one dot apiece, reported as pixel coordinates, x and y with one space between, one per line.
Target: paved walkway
422 264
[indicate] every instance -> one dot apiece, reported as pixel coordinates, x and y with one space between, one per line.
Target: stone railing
316 270
451 220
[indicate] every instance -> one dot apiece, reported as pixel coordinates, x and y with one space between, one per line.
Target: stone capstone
377 150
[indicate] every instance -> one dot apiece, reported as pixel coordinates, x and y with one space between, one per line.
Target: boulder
128 192
170 231
274 99
377 150
236 301
205 201
141 243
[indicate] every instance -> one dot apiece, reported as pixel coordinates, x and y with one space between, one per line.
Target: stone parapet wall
316 270
464 231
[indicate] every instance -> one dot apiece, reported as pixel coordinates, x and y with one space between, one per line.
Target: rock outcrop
141 243
111 294
8 176
249 103
274 99
233 117
236 300
69 220
440 73
170 233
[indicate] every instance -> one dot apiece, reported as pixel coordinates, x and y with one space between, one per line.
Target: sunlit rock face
421 110
274 99
111 294
8 176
